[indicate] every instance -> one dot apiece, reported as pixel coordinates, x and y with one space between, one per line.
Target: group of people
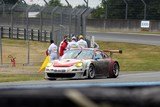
65 45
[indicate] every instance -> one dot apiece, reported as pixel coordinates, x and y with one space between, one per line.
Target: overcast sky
92 3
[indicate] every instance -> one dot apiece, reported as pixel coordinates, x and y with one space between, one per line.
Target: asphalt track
126 80
150 39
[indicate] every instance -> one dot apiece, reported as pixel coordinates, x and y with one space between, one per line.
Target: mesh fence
5 14
40 23
8 53
45 19
18 49
18 17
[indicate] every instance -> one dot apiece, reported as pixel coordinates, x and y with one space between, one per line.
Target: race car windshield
78 54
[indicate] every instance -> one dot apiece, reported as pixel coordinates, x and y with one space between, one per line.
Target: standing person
73 43
81 42
52 51
62 46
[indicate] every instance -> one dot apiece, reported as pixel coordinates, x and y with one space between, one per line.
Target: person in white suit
72 44
81 42
52 51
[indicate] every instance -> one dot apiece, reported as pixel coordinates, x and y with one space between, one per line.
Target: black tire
115 70
91 72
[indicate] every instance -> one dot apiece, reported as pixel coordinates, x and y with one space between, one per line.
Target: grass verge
20 77
135 57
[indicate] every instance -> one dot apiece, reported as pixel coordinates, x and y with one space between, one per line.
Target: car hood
65 62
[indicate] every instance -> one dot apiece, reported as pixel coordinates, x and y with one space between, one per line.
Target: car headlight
79 64
49 64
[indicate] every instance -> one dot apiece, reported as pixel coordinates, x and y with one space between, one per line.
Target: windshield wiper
77 54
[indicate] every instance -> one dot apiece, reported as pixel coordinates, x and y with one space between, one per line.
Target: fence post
38 35
9 33
24 34
32 33
1 32
1 45
145 8
51 37
126 11
17 33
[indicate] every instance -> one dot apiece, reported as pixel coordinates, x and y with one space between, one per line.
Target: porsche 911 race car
83 63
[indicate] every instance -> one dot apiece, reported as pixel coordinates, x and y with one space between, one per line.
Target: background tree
98 12
153 9
10 1
116 9
55 3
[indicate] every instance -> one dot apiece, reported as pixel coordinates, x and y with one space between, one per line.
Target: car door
100 63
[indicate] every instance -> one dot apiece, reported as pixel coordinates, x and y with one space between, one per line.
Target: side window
104 55
99 55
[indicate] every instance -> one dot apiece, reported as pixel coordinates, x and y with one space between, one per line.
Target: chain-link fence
45 19
40 23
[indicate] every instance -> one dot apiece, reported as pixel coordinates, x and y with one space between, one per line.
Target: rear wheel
91 72
114 71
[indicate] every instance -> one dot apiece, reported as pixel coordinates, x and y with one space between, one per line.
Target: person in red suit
63 45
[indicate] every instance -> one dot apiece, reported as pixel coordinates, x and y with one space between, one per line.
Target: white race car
83 63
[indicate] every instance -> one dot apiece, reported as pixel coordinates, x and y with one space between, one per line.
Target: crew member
52 50
62 46
73 43
81 42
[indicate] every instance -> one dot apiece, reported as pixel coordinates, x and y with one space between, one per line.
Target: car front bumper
65 73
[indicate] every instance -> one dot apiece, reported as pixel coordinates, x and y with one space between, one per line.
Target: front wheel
91 72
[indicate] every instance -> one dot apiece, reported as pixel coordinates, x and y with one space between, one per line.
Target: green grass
20 77
135 57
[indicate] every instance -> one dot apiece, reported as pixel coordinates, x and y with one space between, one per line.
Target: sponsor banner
145 24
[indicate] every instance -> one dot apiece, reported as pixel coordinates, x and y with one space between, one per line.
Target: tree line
116 9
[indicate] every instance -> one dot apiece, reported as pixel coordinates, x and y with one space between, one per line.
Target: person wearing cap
73 43
63 45
52 51
81 42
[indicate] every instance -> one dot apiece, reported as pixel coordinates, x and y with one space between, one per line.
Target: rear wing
113 51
